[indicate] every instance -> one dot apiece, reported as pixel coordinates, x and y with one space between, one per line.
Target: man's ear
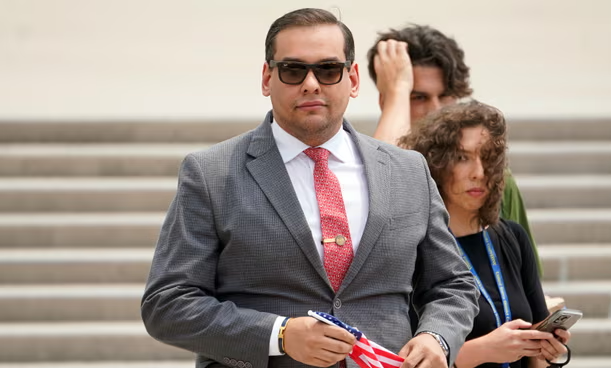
265 80
354 80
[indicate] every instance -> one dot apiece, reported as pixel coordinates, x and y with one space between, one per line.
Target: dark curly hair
429 47
438 139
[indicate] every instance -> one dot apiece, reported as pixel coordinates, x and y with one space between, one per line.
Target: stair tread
46 255
100 149
9 218
574 250
24 184
560 181
95 291
82 218
88 328
590 324
573 214
10 255
169 149
565 147
579 287
169 182
137 289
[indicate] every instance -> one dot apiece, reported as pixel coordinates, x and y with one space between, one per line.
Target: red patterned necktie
336 239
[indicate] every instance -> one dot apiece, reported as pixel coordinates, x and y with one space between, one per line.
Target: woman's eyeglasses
295 72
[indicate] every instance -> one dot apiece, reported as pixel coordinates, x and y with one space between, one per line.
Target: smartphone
563 319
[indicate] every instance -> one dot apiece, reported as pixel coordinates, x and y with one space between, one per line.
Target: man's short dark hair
307 17
429 47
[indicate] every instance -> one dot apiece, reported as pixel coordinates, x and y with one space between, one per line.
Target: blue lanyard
498 277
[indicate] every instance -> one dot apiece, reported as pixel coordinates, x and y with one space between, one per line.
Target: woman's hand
553 348
514 340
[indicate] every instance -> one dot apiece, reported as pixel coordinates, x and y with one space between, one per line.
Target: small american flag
367 354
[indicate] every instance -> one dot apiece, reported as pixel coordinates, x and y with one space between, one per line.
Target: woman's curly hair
438 136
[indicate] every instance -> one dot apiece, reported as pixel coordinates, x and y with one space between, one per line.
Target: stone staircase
81 204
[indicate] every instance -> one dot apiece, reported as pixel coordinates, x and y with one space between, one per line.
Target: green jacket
513 208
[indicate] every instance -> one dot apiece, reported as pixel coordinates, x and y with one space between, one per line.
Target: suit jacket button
337 303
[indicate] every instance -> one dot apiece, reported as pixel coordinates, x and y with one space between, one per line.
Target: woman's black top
519 269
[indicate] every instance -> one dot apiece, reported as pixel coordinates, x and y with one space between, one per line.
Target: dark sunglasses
295 72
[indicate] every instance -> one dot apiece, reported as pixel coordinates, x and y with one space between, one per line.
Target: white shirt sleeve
274 350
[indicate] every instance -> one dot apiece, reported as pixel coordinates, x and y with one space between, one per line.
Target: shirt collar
290 147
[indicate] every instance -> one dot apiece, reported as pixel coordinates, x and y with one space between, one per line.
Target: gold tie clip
339 240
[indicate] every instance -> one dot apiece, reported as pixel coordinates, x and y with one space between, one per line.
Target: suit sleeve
179 305
445 295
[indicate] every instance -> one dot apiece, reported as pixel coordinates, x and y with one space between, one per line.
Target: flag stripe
368 354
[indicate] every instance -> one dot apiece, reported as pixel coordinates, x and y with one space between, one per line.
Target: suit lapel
269 171
377 171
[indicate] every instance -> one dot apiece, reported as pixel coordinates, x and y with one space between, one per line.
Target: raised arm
395 81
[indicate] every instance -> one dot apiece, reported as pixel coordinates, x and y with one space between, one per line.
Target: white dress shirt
345 162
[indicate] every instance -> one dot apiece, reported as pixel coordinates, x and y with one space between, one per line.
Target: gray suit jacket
235 251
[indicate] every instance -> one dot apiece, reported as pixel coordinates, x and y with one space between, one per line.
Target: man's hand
423 351
315 343
395 81
393 69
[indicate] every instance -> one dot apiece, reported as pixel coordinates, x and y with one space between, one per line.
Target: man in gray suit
244 252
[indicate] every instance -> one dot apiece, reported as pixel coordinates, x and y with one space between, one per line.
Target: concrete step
593 298
559 130
52 303
141 229
93 159
108 341
570 157
80 230
576 262
128 194
591 336
121 302
70 266
82 341
567 262
122 131
565 191
123 159
582 362
561 226
213 131
135 194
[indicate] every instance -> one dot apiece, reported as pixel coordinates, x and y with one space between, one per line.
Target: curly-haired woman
464 145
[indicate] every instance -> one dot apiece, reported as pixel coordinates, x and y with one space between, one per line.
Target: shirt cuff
274 350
